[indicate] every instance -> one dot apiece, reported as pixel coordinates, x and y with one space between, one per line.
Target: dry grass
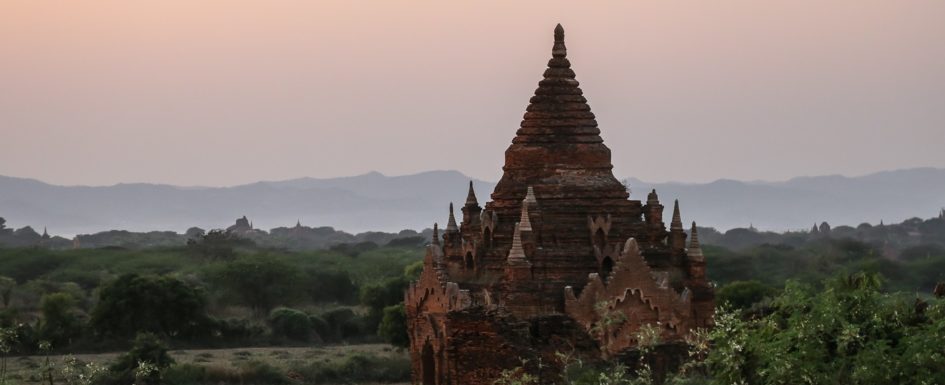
24 369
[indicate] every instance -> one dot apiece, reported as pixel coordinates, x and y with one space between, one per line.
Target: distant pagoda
559 247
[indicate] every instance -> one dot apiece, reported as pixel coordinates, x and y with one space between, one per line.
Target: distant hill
391 203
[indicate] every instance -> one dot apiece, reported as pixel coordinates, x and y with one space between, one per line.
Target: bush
743 294
290 324
342 324
259 282
161 305
147 349
393 327
60 324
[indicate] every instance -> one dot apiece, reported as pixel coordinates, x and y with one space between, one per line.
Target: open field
26 369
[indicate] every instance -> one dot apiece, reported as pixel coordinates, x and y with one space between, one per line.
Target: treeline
295 238
219 290
892 239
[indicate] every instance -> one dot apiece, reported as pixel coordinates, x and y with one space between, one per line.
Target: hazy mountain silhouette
376 202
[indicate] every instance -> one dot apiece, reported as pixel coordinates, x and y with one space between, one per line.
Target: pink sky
229 92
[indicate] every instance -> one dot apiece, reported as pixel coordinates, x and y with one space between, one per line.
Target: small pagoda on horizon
558 254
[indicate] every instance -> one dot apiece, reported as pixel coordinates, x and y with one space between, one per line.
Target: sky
221 93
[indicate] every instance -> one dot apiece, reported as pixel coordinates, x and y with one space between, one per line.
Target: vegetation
795 307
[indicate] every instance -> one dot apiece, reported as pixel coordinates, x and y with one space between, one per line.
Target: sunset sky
229 92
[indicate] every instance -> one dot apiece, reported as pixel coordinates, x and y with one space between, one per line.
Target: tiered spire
471 196
530 196
695 250
436 234
558 132
451 226
676 224
525 224
652 198
517 252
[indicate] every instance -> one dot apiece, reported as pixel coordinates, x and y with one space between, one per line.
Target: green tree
143 303
846 332
259 282
290 323
60 322
7 285
393 327
742 294
145 361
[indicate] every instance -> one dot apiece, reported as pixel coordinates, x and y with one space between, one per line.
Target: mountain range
392 203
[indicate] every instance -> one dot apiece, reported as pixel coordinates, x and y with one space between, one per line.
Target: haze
229 92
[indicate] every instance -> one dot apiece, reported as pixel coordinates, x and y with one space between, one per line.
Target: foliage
291 324
848 332
158 304
59 324
378 296
145 361
393 327
742 294
259 282
217 244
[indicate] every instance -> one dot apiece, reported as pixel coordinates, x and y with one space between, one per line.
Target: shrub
60 323
157 304
393 327
147 351
291 324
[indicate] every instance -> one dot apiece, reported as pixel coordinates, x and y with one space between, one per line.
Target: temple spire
471 196
652 198
559 50
695 250
451 223
525 224
517 252
530 196
676 224
436 234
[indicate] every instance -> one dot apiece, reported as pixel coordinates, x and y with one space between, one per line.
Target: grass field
26 369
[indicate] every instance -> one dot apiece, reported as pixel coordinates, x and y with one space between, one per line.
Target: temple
561 260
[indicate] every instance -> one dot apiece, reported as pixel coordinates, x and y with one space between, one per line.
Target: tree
260 283
743 294
145 361
393 327
846 332
216 244
290 323
7 285
142 303
60 323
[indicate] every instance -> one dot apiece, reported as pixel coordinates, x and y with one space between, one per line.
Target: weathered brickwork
560 248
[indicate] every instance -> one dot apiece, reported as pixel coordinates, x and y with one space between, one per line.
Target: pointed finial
524 223
298 222
559 50
530 196
695 250
677 219
451 223
517 252
652 198
471 196
436 234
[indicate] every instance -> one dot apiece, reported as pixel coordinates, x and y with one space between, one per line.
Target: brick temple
558 248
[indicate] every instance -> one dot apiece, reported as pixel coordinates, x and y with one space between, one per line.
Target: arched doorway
428 365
